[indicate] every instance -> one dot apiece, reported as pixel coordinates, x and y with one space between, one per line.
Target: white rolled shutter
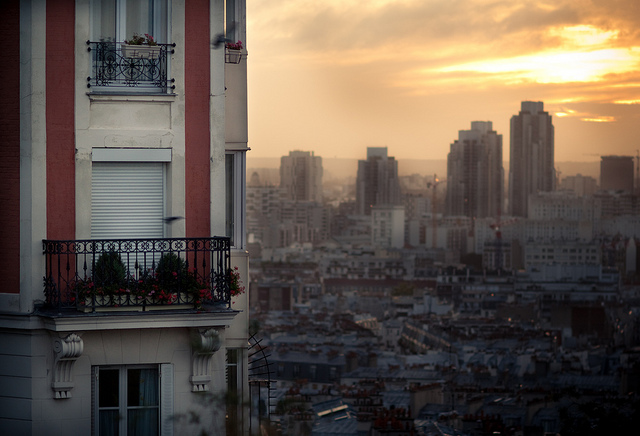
127 200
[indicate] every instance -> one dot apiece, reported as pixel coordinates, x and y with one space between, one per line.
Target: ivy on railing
138 273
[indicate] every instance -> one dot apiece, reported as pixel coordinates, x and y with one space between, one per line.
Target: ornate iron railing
116 64
138 274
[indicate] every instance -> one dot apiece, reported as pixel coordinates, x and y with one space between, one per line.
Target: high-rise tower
531 161
475 176
301 176
377 182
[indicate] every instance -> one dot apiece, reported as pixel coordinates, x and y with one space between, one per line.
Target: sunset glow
338 76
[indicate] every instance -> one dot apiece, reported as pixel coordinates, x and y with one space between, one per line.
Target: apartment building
377 181
122 308
475 176
301 176
531 162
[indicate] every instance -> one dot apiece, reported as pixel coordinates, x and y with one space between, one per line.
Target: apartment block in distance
124 143
475 177
301 176
377 181
531 161
616 173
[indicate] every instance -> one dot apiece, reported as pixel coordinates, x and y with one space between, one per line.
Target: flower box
233 56
140 51
119 303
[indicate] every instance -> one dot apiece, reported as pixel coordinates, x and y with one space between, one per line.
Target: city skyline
338 77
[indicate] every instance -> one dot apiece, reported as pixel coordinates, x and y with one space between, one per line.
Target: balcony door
127 200
118 20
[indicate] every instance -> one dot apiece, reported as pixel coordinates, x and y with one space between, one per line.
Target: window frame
235 188
160 30
234 375
164 403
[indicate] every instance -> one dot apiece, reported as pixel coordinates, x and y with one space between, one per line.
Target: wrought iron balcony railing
138 274
120 65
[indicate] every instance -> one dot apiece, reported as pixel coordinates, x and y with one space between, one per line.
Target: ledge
131 96
70 322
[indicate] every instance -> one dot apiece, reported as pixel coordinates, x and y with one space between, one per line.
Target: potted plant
140 47
235 284
233 52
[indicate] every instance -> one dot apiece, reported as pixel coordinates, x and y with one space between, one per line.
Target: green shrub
109 270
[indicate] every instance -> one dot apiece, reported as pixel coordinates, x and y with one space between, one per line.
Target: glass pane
139 17
104 20
108 388
142 387
142 422
229 203
230 19
161 14
108 423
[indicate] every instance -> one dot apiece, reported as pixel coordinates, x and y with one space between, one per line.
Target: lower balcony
138 274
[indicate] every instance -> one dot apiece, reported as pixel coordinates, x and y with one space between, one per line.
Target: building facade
531 162
377 181
616 173
581 185
301 176
122 305
387 226
475 177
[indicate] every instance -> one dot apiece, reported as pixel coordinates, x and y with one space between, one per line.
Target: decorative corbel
67 350
203 344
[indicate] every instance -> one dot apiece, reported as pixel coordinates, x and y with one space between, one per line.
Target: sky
338 76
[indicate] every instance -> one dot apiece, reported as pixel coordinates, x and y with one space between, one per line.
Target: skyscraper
301 176
531 162
475 176
377 181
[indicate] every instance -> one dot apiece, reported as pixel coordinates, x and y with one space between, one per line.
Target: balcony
138 274
117 68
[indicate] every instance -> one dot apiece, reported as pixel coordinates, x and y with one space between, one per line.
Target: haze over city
339 76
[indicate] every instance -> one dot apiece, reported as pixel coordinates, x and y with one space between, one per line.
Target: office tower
616 173
377 181
475 176
301 176
531 161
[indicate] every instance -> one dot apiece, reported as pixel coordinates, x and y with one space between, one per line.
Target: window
118 20
128 400
234 193
118 69
234 391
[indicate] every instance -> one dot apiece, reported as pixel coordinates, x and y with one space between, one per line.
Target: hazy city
320 218
442 303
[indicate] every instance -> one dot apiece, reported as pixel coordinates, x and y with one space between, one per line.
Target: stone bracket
67 350
204 343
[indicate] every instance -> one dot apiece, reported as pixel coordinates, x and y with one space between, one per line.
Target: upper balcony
120 67
139 274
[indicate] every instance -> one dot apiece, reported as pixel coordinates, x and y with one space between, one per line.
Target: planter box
140 51
233 56
118 303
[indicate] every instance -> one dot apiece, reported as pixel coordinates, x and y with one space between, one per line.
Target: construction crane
434 219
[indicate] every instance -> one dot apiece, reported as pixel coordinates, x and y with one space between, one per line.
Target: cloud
391 62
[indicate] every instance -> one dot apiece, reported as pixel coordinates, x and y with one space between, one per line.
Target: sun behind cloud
585 54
